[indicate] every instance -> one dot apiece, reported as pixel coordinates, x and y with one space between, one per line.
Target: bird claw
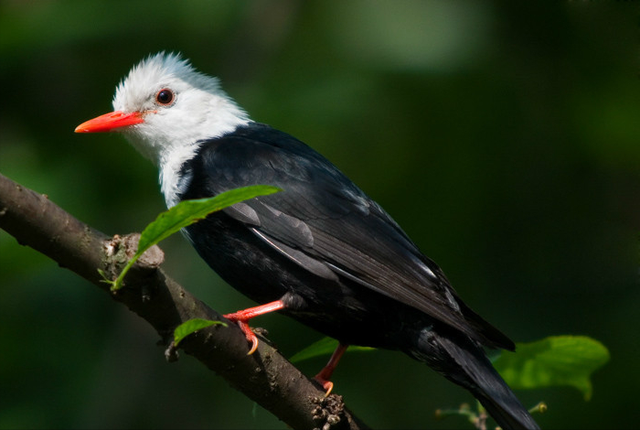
242 319
326 384
325 374
248 333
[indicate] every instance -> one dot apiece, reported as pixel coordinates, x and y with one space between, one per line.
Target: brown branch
266 376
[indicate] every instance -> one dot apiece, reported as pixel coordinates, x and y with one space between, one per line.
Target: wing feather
327 225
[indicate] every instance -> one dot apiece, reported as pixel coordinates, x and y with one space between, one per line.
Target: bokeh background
503 136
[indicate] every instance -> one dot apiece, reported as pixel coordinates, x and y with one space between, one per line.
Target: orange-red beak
109 122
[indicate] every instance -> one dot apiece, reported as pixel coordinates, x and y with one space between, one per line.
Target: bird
320 251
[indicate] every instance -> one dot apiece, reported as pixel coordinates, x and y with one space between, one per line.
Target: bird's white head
164 107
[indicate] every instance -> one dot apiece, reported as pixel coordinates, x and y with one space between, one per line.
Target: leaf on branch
553 361
189 211
186 213
191 326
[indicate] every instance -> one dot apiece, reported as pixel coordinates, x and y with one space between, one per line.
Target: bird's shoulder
256 154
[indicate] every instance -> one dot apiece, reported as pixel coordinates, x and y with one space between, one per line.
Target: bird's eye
165 96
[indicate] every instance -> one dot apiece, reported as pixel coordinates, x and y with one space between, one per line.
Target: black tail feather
463 362
507 417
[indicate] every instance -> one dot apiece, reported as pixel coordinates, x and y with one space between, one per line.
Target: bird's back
321 227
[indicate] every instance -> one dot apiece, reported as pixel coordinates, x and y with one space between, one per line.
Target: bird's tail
461 361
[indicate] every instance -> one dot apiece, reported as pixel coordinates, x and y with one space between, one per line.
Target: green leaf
189 211
324 346
186 213
553 361
193 325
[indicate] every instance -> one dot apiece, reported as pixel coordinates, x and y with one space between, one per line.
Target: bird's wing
326 224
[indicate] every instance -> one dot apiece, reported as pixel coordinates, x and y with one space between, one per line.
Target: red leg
242 318
326 372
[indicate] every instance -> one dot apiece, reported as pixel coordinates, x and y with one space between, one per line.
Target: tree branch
266 376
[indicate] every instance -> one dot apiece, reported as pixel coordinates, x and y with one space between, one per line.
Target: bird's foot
326 372
248 333
242 319
325 383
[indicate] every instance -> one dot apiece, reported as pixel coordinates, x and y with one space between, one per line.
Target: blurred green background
503 136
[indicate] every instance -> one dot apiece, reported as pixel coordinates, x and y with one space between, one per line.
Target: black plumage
320 251
337 260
